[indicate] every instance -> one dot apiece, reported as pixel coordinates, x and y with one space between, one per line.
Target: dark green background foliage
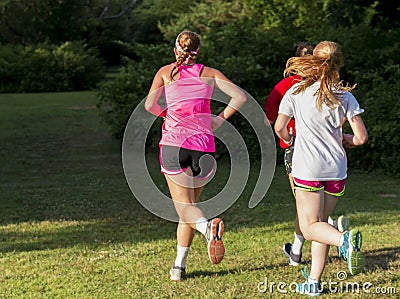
250 41
49 68
382 118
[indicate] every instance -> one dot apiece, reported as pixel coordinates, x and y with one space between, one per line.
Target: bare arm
155 92
360 135
281 130
238 98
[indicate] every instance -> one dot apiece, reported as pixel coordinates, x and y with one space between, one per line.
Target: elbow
148 107
362 139
241 100
278 129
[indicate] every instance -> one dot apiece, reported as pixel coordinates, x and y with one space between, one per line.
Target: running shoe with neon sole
215 246
342 223
310 287
177 273
350 251
294 259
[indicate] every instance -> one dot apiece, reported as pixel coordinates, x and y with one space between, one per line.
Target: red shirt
275 98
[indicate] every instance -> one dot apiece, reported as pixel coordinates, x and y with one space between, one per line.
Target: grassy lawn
70 227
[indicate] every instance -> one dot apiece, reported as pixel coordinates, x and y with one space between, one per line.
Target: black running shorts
175 160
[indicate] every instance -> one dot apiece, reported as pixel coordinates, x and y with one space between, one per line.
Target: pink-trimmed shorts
335 188
176 160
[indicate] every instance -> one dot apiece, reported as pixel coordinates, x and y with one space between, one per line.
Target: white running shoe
294 259
214 232
177 273
343 223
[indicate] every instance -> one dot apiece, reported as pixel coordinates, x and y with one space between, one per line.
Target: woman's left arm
156 89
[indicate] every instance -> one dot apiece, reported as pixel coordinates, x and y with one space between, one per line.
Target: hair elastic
179 48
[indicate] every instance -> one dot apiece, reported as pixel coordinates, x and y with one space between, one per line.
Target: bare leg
298 241
296 222
185 191
184 198
313 209
185 232
297 226
319 251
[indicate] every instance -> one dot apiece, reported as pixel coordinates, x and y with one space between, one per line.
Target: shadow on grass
196 274
381 258
91 234
75 179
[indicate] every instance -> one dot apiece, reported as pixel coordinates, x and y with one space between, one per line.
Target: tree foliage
251 40
248 40
42 68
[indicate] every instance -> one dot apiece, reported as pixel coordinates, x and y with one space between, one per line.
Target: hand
216 122
291 141
348 141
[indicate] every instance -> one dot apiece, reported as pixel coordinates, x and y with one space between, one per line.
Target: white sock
312 280
182 253
201 225
341 240
298 243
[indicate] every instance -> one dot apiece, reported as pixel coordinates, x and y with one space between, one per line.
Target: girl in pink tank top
187 141
188 118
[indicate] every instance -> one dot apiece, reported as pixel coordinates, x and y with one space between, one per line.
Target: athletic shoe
310 287
350 251
177 273
214 232
332 222
294 259
342 223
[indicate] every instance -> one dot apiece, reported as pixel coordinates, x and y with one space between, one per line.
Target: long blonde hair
324 66
188 45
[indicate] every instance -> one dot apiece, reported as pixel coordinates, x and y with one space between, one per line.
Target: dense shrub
47 68
13 61
378 92
250 45
119 97
373 64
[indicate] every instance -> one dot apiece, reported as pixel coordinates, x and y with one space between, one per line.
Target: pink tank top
188 119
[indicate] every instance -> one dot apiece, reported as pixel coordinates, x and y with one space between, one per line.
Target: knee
306 230
306 235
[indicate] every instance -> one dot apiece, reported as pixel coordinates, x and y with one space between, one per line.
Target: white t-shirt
318 153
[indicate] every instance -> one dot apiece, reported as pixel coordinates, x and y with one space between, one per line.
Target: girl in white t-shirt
320 103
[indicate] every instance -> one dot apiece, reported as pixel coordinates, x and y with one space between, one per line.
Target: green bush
12 67
371 63
250 45
46 68
378 94
119 97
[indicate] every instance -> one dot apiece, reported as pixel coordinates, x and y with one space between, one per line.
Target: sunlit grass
70 227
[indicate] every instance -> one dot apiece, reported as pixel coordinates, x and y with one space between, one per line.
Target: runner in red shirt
292 251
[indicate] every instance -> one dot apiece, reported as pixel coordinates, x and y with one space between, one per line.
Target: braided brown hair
324 65
188 46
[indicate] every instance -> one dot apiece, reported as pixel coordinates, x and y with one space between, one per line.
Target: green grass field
71 228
